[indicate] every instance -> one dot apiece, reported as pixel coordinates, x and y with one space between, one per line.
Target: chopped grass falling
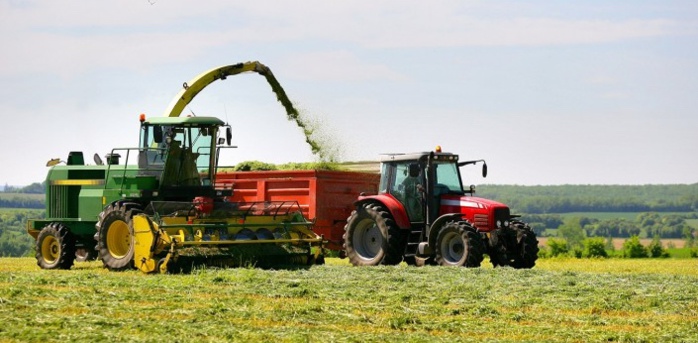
559 300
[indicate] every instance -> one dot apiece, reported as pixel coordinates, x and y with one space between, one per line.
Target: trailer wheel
371 237
459 244
55 247
526 253
115 235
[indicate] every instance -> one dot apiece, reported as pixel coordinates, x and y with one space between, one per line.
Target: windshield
183 154
447 176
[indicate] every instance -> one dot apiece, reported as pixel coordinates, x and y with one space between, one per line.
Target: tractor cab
420 180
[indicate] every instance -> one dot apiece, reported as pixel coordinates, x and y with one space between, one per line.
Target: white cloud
337 66
71 36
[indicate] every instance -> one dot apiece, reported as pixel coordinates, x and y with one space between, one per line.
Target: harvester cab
182 153
423 214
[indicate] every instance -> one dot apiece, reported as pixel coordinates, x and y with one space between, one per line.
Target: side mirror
414 170
228 134
221 140
157 131
484 169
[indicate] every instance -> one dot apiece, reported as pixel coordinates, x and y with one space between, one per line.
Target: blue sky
548 92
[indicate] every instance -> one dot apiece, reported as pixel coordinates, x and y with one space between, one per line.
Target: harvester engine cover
177 236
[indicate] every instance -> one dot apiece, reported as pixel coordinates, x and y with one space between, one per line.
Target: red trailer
326 197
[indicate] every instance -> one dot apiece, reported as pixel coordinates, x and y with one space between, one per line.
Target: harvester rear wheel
371 237
115 235
459 244
55 247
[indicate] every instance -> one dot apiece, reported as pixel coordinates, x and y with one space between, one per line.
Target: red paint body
478 211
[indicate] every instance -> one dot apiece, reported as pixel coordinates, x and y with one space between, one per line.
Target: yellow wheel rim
118 239
50 249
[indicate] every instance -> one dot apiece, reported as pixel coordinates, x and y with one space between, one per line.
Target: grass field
557 301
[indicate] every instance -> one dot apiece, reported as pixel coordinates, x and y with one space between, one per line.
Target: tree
655 248
557 247
572 232
594 247
632 248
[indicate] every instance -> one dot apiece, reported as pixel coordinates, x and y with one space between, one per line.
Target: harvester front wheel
55 247
371 237
459 244
115 235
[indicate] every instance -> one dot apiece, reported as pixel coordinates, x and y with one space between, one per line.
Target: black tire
515 246
497 247
527 245
55 247
115 235
459 244
371 237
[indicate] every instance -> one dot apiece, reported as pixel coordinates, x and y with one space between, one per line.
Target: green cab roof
194 121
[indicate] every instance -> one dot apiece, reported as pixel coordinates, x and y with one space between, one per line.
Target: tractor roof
416 156
184 121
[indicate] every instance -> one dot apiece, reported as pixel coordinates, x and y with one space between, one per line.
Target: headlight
506 223
499 223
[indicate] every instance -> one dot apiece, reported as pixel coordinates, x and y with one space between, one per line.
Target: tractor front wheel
527 244
55 247
115 235
515 246
459 244
371 237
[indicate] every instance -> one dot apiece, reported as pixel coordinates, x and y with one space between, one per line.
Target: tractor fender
391 204
433 230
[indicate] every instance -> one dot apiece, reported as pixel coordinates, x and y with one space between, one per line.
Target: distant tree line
647 224
34 188
21 202
594 198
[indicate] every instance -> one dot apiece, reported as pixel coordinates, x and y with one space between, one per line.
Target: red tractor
422 215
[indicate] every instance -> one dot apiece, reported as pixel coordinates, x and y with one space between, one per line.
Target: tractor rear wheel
459 244
55 247
371 237
115 235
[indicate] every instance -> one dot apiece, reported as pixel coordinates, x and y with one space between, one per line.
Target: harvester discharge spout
196 85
